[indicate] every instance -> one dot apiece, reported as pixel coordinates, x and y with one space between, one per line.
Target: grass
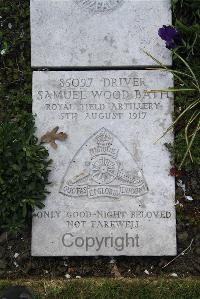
111 288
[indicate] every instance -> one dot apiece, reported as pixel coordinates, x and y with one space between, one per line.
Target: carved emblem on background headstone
105 168
100 6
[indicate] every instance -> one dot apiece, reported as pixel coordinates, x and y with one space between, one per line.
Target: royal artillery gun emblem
103 167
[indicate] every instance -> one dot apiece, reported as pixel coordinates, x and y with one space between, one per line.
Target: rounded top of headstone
100 6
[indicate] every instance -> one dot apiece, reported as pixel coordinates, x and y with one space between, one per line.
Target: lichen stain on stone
110 40
82 50
136 151
89 58
108 62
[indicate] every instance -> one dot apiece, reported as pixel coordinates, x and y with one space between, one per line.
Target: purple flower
170 35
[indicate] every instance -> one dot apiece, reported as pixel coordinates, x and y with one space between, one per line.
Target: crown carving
104 139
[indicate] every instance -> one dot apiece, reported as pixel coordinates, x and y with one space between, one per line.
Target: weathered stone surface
111 193
68 33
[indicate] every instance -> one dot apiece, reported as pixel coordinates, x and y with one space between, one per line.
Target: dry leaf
115 271
52 136
175 172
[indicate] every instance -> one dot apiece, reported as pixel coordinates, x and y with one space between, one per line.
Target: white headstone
111 192
89 33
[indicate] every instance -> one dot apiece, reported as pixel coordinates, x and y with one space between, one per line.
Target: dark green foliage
23 174
15 70
23 162
180 146
186 17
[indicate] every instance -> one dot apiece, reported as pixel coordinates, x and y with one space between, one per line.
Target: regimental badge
99 6
103 167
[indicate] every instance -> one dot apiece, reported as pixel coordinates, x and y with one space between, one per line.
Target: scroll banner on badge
108 191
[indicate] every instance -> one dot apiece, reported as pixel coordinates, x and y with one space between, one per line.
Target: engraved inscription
102 171
100 6
107 98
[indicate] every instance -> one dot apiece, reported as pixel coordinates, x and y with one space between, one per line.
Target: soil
16 260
